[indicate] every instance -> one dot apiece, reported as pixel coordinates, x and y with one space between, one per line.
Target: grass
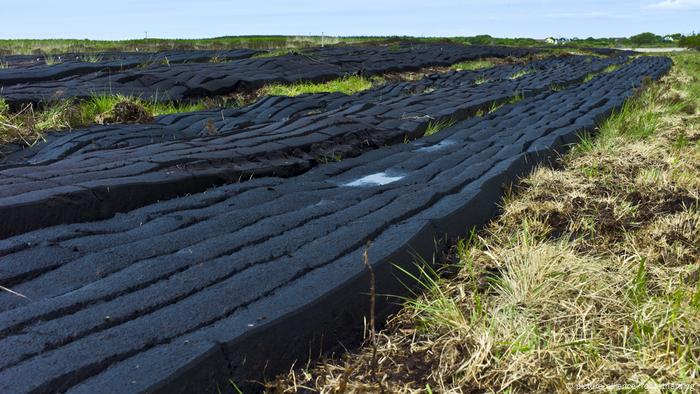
54 46
29 124
279 52
435 126
606 70
520 74
348 85
588 281
89 58
50 60
101 104
472 65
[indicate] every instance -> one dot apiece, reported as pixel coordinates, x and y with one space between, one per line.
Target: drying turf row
192 80
183 295
94 174
120 60
268 109
78 64
459 87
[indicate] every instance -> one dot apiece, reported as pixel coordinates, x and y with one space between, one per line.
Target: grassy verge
588 282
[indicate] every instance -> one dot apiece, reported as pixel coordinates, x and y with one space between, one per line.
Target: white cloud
676 5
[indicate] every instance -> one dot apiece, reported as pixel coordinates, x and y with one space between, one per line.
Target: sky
127 19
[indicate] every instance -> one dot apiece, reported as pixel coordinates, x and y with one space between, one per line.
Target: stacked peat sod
194 292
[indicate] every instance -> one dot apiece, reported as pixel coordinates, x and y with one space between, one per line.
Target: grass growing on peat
29 124
435 126
472 65
520 74
348 85
590 277
606 70
279 52
51 60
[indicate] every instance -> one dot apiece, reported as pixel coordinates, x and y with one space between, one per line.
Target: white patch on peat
378 179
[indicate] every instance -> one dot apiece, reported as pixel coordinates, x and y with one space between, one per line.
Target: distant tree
646 39
483 39
690 41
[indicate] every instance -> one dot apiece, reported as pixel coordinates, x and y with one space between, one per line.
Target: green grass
520 74
472 65
348 85
90 58
55 46
606 70
51 60
279 52
29 124
89 109
435 126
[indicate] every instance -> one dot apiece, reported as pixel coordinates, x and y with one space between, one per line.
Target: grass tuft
520 74
348 85
472 65
606 70
435 126
28 125
90 58
50 60
278 52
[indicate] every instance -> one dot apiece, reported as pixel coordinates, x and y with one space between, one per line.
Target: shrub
691 41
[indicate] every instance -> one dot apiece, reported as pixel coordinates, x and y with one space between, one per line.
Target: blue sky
123 19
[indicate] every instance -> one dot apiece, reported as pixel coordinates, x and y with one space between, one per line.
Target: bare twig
372 322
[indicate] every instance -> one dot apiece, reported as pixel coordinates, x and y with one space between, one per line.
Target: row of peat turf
95 173
185 81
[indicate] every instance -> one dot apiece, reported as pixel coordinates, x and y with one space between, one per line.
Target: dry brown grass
588 282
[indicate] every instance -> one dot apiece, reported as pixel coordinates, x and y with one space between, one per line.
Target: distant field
54 46
51 46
